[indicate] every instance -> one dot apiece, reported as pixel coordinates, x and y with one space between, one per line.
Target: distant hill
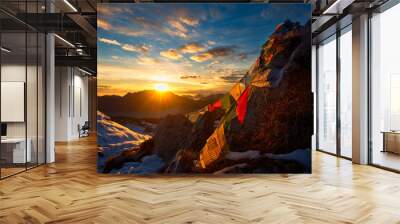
152 104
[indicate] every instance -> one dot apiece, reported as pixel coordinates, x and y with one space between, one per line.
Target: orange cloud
109 41
178 25
191 48
135 48
189 21
130 32
103 24
171 54
147 61
176 33
202 57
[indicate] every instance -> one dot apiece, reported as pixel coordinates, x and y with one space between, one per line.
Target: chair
84 130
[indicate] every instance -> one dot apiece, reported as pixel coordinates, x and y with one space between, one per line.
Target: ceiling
74 21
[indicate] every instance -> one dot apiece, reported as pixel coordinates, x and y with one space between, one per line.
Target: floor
70 191
387 159
5 172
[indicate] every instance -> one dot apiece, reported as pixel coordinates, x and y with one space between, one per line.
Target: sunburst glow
161 87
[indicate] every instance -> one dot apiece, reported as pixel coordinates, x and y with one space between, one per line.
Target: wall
71 102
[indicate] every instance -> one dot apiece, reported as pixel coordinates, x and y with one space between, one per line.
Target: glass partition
327 95
346 92
13 94
31 98
41 97
385 89
22 88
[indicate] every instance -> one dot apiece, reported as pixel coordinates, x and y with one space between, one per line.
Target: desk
19 155
391 141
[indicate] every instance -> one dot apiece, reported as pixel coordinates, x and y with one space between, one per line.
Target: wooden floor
70 191
387 159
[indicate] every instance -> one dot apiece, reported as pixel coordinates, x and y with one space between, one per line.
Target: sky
188 49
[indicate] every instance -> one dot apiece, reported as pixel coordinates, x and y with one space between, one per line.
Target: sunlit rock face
279 111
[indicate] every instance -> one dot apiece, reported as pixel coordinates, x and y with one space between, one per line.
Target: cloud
103 24
178 25
109 41
103 9
210 42
191 48
242 56
222 51
127 31
189 21
109 11
147 61
214 63
176 33
202 57
172 27
171 54
115 57
189 77
126 47
232 76
135 48
130 32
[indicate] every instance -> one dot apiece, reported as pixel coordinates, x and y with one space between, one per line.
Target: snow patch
150 164
111 133
230 168
251 154
302 156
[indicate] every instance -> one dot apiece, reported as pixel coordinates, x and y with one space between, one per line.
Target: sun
161 87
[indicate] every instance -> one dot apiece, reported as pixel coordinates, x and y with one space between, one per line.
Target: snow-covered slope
110 133
114 138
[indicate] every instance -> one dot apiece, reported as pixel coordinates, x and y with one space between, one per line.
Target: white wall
71 103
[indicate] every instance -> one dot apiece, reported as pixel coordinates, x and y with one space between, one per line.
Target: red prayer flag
215 105
241 108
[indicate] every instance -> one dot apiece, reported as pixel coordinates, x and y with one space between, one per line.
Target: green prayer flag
229 116
226 102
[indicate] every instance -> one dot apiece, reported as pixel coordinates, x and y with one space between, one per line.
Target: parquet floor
70 191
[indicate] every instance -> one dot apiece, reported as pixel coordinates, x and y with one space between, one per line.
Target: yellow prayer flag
237 90
213 148
260 80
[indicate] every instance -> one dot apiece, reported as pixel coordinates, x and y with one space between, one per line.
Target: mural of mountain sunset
263 122
152 104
